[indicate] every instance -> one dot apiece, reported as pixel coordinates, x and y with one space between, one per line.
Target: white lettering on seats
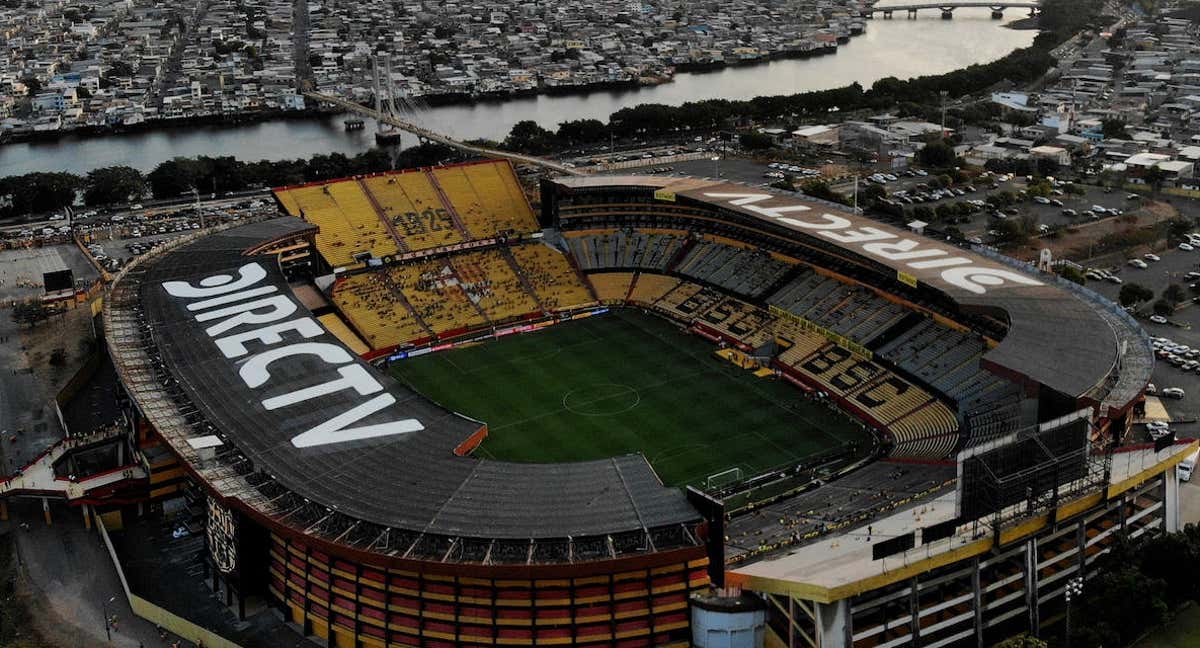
250 274
333 430
961 272
352 377
255 373
234 346
231 297
280 307
974 279
238 306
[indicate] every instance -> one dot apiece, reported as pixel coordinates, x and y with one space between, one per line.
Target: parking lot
21 269
1183 326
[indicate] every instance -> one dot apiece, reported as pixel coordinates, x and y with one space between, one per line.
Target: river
900 47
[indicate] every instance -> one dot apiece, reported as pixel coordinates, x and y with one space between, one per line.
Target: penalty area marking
578 400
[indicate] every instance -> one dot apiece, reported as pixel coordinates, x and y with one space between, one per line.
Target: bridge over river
947 8
433 136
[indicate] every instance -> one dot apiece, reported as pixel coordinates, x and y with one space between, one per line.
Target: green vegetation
1133 293
1060 19
36 193
627 382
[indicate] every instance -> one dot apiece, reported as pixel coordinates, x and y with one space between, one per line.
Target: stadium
421 413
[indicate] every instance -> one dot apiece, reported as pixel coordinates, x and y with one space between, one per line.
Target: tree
1114 129
872 194
1163 307
36 193
1133 293
582 131
174 177
32 84
1073 274
1022 641
58 357
753 141
115 184
30 313
820 189
1174 294
528 137
937 155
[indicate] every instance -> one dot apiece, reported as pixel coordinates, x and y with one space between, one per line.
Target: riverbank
231 120
898 49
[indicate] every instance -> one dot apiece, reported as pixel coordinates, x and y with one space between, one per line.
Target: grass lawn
1183 632
626 382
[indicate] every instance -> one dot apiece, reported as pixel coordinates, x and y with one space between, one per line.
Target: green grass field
626 382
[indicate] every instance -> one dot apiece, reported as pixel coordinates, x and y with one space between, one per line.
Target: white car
1151 257
1137 263
1041 200
1173 392
1186 247
1158 319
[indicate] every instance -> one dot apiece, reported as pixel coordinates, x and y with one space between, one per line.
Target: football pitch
625 382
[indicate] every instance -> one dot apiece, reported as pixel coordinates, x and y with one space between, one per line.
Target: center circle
601 399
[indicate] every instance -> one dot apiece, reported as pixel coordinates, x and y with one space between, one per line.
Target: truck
1185 467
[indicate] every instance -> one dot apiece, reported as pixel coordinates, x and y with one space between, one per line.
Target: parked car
1173 392
1158 319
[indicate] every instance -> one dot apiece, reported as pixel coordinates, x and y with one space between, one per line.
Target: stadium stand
626 250
411 205
550 275
487 197
491 283
741 321
948 360
735 268
376 311
348 221
688 305
611 287
334 324
651 287
920 424
437 296
853 499
944 358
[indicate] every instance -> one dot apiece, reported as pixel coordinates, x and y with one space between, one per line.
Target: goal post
723 478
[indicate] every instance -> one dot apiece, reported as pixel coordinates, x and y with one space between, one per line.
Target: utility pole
944 93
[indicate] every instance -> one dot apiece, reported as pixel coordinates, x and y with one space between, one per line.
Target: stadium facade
360 509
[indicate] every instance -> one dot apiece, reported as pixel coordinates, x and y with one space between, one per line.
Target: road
66 566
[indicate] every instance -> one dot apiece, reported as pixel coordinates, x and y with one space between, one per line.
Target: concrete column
977 601
833 624
1170 501
3 509
914 611
1031 585
87 517
1081 542
46 511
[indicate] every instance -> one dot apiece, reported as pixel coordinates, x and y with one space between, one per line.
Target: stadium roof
329 427
1059 335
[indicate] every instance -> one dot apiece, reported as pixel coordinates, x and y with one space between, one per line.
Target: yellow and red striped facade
633 601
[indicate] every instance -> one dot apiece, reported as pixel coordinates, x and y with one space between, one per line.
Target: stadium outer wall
352 599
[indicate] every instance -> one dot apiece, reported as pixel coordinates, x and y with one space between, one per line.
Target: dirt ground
70 331
1078 241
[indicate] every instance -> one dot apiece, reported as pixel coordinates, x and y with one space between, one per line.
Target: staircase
387 279
441 193
512 263
379 211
